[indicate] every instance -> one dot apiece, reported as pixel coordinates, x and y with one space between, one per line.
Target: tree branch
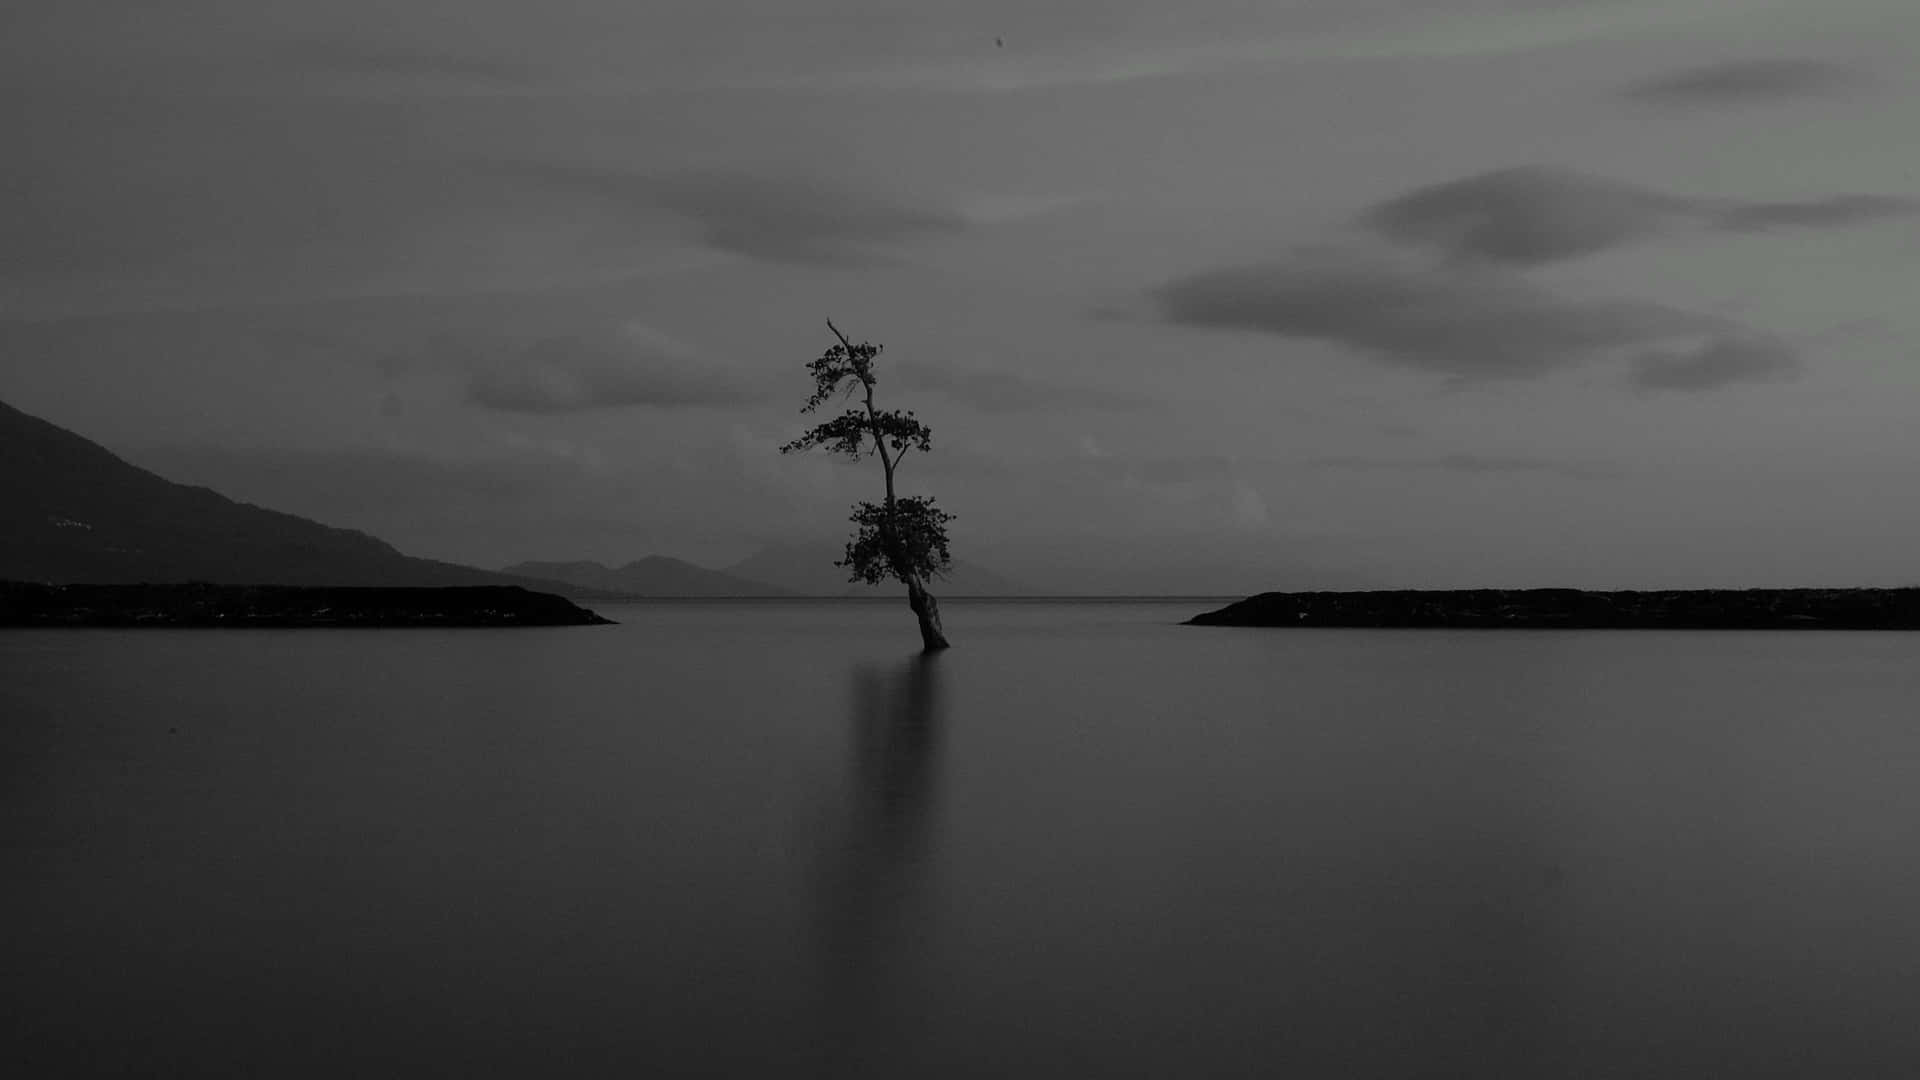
841 336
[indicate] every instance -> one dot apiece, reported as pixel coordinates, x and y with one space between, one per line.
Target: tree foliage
904 537
848 434
920 529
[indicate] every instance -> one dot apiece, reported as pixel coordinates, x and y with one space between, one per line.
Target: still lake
769 840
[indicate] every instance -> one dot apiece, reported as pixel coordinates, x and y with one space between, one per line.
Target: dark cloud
1012 392
1471 322
1525 214
603 369
795 220
1739 81
1530 215
1720 362
1841 210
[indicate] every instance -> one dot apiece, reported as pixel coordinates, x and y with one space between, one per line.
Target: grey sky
1444 292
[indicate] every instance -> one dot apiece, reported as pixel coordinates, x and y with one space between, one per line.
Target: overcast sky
1210 296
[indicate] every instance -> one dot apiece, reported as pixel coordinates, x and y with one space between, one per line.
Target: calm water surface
727 839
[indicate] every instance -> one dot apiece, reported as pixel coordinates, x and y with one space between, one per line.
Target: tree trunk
932 637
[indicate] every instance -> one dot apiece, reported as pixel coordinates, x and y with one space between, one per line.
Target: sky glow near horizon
1209 297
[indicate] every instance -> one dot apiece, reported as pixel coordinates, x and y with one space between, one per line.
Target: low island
1577 609
283 606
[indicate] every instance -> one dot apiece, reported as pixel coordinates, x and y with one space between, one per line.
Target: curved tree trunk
932 637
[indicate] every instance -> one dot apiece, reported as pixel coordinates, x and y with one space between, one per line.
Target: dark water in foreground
734 840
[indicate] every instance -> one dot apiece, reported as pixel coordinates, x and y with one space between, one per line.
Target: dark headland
1577 609
214 606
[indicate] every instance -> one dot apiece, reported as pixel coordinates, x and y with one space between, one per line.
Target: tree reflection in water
872 920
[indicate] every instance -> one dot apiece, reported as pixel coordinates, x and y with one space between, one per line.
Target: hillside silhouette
71 511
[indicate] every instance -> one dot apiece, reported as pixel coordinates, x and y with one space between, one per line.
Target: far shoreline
1578 609
893 598
204 606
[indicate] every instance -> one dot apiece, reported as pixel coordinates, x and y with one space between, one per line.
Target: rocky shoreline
1577 609
203 606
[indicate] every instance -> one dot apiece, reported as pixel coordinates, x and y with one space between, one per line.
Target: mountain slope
72 512
808 569
655 575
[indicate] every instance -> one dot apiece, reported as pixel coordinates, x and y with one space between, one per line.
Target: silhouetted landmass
243 606
1576 609
653 576
71 511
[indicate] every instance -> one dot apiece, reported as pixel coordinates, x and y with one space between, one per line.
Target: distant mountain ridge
653 576
807 569
784 570
72 512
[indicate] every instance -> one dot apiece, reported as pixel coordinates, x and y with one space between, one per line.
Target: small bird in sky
999 43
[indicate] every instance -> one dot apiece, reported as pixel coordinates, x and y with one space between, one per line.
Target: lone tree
905 537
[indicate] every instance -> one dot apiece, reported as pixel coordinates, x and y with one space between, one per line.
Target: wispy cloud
781 219
1527 215
1838 211
1474 464
603 368
1524 214
1015 392
1448 294
998 70
1107 44
1736 82
1721 362
1471 323
400 61
1433 28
